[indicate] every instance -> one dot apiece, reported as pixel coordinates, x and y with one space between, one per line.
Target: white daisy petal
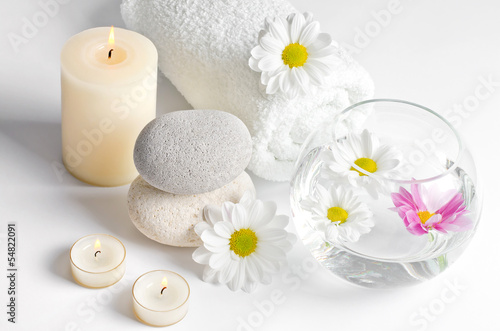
247 199
279 221
322 41
335 166
386 151
239 217
239 278
284 80
279 31
262 213
268 266
217 249
224 229
212 214
271 251
332 233
199 228
321 66
272 45
255 271
323 52
218 260
273 85
211 238
264 77
227 211
258 52
201 255
299 74
287 244
301 77
209 274
227 273
296 26
333 197
315 74
225 252
254 64
385 159
293 91
358 219
309 33
308 17
272 235
366 141
387 165
270 63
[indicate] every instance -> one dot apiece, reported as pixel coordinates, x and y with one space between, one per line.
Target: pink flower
423 210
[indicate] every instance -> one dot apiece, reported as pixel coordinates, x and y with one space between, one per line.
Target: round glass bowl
385 194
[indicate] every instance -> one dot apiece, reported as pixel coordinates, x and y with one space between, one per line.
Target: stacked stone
186 160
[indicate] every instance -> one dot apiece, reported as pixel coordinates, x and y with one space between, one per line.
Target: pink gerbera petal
433 220
412 217
449 216
459 224
417 196
440 228
452 206
416 229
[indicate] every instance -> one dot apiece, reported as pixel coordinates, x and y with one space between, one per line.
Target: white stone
170 218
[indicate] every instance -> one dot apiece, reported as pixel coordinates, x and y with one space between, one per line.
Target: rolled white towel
204 47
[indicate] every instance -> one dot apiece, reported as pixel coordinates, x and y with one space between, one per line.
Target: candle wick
95 255
163 289
109 54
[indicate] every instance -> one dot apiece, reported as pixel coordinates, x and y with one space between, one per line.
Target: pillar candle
108 92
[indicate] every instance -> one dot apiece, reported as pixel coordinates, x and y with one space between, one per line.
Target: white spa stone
192 151
170 218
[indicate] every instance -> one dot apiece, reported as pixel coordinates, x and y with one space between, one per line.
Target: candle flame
111 39
97 245
164 282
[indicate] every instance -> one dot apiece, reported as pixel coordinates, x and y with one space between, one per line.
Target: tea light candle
97 260
160 298
108 95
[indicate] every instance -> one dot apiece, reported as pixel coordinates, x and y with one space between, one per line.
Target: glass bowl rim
441 118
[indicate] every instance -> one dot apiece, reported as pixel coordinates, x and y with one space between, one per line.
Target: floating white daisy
293 55
243 244
359 156
338 214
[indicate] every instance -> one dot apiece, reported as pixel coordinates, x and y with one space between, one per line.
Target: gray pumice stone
192 151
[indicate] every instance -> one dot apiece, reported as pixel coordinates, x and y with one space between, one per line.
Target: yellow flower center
337 214
294 55
424 216
243 242
365 164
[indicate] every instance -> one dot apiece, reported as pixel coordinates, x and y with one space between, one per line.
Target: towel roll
204 47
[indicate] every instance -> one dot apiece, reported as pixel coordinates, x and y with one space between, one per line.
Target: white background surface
431 52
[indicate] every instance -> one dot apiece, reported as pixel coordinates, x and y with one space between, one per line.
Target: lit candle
97 260
108 94
160 298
